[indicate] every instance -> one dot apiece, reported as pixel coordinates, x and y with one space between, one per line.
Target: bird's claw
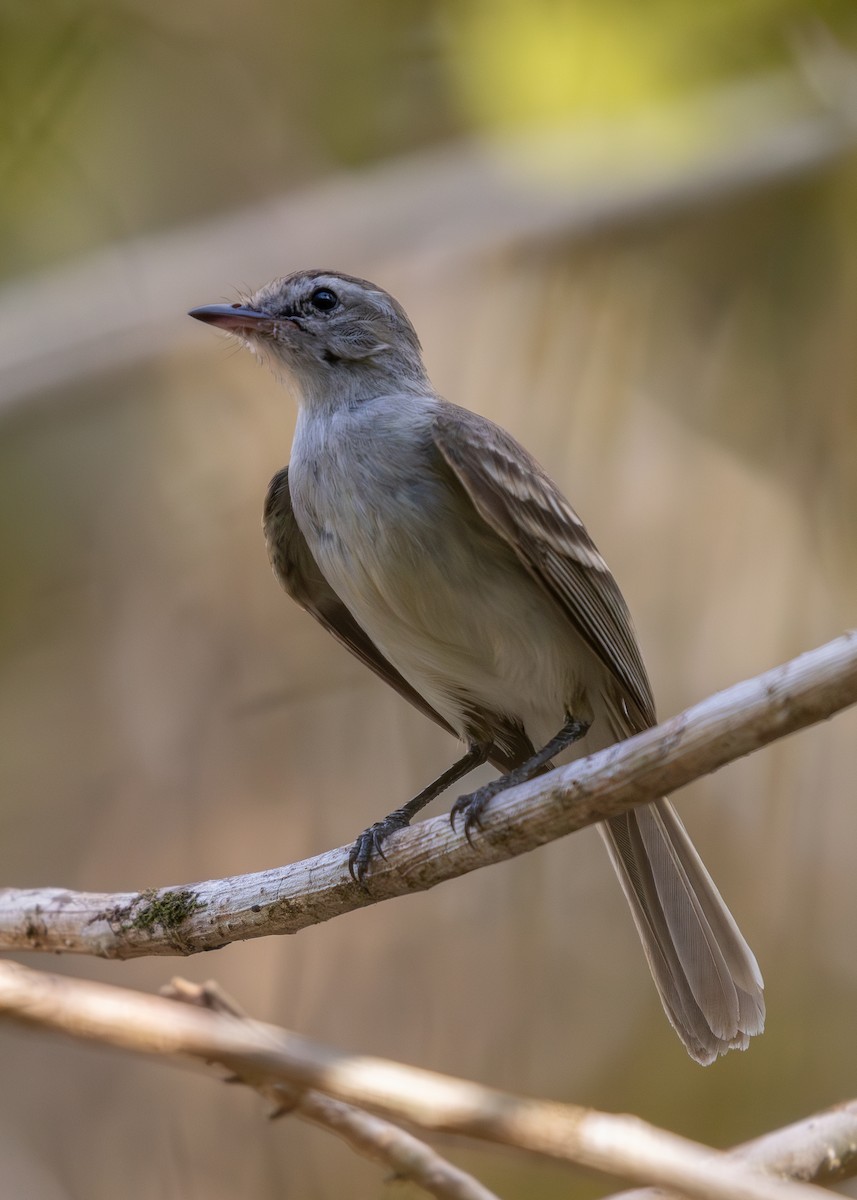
471 807
370 843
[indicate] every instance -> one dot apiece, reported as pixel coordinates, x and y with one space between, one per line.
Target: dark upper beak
233 317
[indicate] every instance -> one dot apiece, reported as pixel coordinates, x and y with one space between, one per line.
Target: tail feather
706 974
741 960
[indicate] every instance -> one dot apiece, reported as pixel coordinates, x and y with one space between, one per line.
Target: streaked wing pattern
512 493
706 974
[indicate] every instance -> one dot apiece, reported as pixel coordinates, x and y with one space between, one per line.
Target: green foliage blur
118 117
166 715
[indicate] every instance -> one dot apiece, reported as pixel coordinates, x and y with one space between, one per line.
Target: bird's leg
371 840
471 806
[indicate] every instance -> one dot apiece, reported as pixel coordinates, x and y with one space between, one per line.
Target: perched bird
436 549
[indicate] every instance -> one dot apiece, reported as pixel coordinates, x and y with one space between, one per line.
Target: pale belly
442 596
448 604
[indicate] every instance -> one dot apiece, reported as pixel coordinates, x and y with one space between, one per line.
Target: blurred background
628 233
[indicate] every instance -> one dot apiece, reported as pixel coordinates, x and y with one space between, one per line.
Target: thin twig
618 1145
373 1137
205 916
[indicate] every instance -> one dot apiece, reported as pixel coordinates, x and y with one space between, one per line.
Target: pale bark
818 1149
371 1136
619 1145
187 918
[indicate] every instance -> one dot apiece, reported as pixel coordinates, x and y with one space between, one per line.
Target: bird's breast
439 592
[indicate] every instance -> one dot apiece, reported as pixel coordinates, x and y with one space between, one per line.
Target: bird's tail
707 976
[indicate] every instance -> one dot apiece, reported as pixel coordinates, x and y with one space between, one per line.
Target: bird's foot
371 841
472 805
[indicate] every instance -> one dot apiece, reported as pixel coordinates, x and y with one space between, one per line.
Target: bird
435 548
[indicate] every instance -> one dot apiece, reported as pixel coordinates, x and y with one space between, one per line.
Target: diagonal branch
205 916
370 1136
819 1149
615 1144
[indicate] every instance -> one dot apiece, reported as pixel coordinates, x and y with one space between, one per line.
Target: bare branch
373 1137
615 1144
819 1149
206 916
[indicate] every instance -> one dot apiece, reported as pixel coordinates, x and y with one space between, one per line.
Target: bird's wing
299 574
706 974
511 492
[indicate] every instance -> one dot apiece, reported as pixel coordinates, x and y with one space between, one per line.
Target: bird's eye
324 299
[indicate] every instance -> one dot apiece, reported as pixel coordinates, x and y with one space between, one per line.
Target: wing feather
512 493
704 970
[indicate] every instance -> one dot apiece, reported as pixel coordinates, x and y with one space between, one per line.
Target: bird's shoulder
511 483
516 497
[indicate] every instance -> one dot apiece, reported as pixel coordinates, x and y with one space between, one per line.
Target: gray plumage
436 549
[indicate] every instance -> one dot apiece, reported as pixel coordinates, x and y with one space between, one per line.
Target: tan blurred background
629 233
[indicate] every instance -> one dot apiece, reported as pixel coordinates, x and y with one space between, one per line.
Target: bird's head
334 338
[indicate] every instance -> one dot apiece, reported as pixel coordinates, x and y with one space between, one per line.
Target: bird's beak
233 317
